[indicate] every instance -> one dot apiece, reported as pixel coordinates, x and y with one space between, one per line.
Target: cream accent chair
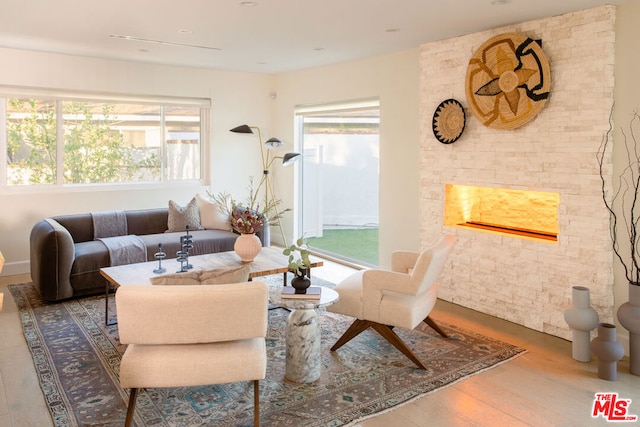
402 297
192 335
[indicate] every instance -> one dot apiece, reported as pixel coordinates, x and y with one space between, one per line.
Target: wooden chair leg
256 403
133 394
388 334
353 331
429 321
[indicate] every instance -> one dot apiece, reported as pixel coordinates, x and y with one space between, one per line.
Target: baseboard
15 268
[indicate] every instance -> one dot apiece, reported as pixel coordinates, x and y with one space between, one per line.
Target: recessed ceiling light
248 3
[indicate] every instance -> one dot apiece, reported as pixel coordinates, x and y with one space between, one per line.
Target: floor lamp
267 160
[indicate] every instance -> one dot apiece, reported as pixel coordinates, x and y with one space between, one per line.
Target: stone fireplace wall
526 281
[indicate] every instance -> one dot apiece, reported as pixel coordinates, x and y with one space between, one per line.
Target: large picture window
339 179
66 141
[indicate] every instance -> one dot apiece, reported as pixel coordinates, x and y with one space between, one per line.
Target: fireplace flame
523 213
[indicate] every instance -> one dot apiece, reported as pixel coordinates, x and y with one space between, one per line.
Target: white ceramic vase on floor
582 319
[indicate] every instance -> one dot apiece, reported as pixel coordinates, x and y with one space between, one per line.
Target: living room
245 97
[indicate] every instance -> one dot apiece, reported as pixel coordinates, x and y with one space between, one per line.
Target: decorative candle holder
186 242
182 258
160 255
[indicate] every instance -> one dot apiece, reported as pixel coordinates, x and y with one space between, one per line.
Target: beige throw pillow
188 278
212 216
180 217
217 276
225 275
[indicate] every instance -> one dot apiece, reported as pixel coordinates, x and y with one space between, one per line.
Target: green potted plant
299 264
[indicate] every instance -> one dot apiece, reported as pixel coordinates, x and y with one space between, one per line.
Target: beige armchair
191 335
402 297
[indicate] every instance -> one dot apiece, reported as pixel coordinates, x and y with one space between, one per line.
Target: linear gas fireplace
519 213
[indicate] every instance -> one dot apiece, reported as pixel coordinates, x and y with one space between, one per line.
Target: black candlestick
186 242
160 255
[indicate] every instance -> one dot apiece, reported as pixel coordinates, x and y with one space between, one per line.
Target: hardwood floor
21 400
543 387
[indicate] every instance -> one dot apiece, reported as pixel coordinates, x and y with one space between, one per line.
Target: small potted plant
299 265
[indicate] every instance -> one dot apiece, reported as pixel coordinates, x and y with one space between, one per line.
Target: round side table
303 358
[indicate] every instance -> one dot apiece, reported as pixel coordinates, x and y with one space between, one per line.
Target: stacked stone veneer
522 280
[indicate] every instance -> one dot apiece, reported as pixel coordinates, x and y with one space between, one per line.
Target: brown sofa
66 259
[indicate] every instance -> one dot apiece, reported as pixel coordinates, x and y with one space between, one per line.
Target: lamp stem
266 181
275 208
264 161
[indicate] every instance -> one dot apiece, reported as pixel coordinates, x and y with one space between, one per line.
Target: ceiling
264 36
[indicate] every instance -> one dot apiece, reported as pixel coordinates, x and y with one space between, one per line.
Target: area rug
77 362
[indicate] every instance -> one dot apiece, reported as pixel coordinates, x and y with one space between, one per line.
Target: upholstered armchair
192 335
402 297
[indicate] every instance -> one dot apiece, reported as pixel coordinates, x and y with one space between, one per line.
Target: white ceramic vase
582 319
247 246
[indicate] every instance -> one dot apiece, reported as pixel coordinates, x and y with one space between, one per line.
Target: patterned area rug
77 361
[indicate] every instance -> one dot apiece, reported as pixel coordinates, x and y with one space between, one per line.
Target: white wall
237 98
394 79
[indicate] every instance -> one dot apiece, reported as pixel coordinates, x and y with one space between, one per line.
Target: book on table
313 292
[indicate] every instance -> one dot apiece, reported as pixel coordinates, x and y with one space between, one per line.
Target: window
340 179
66 141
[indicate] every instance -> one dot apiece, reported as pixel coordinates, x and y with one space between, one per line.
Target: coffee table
269 261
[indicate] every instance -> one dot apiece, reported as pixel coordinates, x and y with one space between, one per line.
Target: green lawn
357 244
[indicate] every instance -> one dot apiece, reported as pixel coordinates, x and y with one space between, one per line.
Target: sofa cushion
80 226
147 221
181 216
204 242
216 276
212 216
90 257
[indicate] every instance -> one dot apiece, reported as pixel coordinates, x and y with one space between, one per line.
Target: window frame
59 96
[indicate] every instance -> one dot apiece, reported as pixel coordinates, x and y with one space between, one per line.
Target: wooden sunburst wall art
508 81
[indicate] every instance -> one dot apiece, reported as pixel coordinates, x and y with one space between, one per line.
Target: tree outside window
100 142
31 142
